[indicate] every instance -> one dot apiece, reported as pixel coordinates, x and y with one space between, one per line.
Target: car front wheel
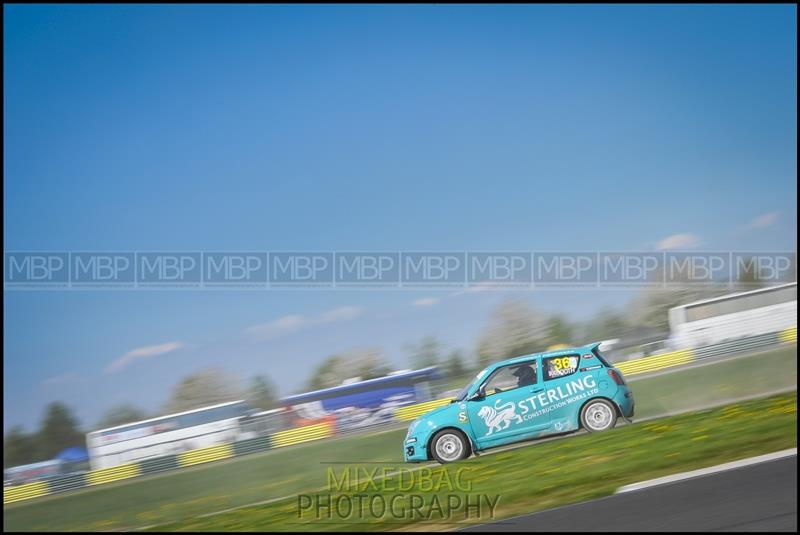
448 446
598 415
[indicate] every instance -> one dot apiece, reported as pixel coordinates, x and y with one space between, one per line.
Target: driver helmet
526 374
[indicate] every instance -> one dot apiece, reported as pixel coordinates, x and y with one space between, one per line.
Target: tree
369 363
425 354
121 414
559 331
19 447
605 325
361 363
515 329
262 394
206 387
651 307
59 430
455 364
750 277
327 374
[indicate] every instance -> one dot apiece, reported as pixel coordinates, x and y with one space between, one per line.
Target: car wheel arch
617 410
469 442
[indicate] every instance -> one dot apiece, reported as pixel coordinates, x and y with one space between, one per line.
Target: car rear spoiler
592 347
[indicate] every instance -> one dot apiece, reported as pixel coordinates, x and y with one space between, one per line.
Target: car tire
598 415
449 445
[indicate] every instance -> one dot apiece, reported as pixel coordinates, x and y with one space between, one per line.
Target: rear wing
595 350
594 346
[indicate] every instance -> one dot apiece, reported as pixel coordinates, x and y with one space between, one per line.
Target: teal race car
523 398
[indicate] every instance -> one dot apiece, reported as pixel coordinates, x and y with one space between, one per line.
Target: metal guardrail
252 445
789 335
328 429
405 414
205 455
302 434
656 362
25 491
734 347
115 473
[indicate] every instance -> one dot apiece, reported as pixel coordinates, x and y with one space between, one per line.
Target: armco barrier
115 473
413 411
736 347
72 481
789 335
302 434
159 464
325 430
25 492
251 445
205 455
655 363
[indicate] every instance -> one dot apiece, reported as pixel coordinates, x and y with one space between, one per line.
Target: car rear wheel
448 446
598 415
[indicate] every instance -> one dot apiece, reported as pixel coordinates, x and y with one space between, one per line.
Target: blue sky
367 128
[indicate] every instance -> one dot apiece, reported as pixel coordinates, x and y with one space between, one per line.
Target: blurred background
359 391
379 128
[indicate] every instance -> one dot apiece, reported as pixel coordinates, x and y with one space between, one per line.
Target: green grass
720 381
198 490
532 479
187 493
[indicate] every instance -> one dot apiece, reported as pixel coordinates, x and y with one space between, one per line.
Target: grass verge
525 480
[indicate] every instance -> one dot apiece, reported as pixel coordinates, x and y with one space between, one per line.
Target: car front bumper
414 452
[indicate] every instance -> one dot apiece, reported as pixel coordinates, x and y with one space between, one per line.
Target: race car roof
563 351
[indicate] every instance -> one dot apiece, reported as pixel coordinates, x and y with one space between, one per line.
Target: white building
734 316
173 433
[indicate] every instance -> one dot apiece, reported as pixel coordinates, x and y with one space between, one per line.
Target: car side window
511 377
561 366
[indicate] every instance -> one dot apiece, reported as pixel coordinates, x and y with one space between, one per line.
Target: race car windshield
463 393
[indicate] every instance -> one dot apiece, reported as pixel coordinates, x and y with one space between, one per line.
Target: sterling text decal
502 415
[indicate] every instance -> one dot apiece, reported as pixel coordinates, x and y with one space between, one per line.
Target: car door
566 389
503 410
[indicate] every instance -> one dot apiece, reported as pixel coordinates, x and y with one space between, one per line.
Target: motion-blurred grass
715 382
554 473
187 493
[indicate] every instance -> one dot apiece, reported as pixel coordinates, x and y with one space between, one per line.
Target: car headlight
412 428
411 440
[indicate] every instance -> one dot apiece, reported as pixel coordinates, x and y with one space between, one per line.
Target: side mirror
479 395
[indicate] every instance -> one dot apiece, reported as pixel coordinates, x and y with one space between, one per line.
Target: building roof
427 373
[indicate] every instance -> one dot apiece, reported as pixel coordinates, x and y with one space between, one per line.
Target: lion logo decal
499 417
